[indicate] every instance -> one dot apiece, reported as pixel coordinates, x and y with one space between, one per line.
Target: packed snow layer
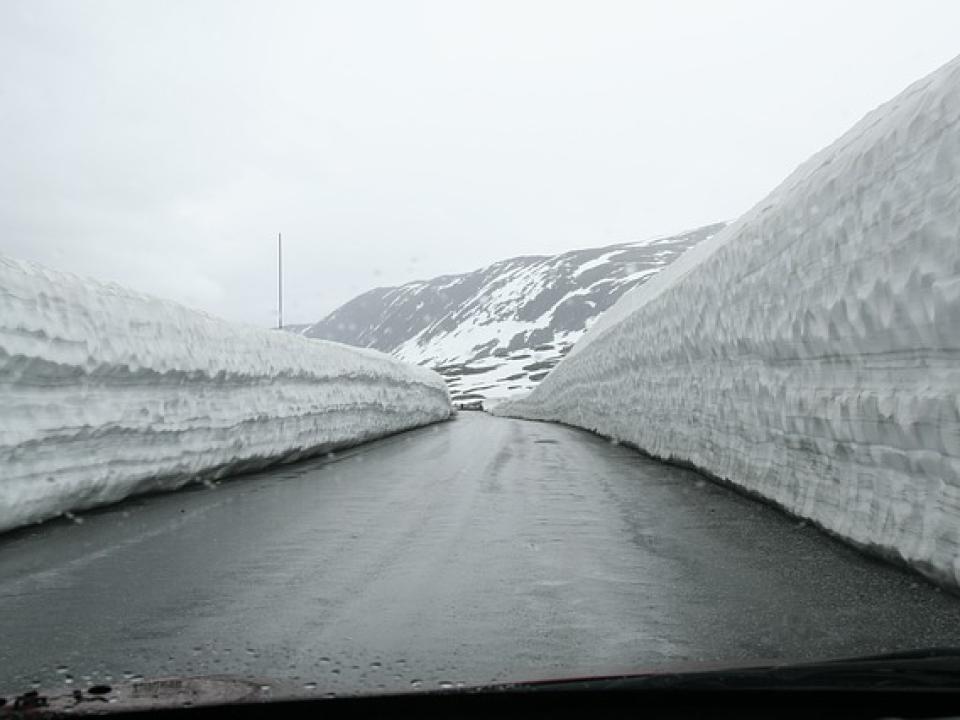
810 352
106 393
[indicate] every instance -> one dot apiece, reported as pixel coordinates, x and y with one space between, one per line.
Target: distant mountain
497 331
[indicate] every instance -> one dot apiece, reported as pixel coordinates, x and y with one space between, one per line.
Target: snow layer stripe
810 352
105 392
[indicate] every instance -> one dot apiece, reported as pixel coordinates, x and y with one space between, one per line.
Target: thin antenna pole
279 281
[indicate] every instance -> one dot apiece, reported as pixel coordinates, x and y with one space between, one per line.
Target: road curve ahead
477 550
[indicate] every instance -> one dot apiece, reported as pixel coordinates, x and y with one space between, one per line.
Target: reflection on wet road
477 550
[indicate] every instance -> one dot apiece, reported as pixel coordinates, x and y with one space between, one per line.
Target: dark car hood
926 669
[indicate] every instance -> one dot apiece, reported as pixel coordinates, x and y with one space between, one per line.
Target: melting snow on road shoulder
810 352
107 393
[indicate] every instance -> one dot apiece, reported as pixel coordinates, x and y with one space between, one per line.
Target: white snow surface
810 352
106 393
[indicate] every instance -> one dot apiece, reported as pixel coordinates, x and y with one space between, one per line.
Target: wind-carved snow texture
106 393
810 352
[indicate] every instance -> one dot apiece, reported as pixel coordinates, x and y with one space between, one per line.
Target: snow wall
810 352
105 393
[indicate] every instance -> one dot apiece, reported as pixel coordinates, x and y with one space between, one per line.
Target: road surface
477 550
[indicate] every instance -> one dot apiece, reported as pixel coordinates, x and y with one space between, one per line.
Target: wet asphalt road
477 550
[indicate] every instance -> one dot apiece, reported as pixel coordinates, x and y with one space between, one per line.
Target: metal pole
279 281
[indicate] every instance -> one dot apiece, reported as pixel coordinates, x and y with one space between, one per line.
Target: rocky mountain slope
497 331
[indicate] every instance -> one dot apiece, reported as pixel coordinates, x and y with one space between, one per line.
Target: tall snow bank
105 392
810 352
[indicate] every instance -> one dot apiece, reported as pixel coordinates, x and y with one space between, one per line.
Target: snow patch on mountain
499 330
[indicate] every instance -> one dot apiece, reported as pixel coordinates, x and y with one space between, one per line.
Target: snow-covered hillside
811 351
497 331
107 392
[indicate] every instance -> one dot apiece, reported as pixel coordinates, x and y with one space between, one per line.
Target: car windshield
403 346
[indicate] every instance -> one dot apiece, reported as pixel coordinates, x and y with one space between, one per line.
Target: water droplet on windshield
415 684
310 686
62 669
376 665
446 685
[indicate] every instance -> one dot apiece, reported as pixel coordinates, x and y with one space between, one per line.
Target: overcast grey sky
163 144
